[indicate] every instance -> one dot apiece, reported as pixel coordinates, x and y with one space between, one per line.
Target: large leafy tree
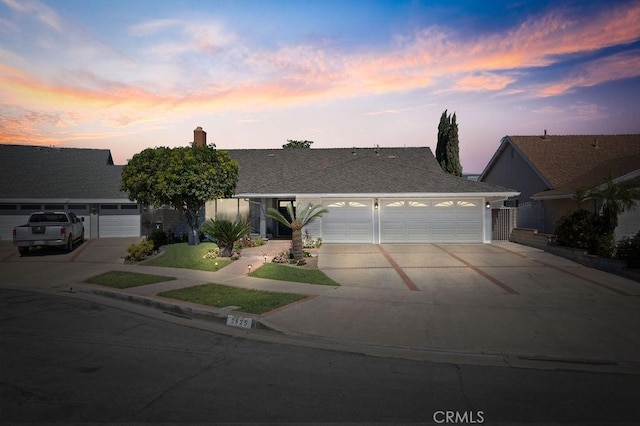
297 144
184 178
297 218
448 147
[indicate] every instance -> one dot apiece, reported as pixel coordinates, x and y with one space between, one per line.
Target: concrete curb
282 336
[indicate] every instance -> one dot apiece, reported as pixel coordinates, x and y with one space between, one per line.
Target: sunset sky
131 74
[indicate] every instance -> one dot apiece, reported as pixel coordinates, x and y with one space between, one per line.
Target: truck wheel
23 251
70 244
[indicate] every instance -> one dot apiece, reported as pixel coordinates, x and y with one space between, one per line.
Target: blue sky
127 75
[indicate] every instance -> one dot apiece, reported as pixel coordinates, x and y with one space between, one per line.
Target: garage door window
347 204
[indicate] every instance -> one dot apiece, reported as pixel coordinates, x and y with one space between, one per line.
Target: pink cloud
616 67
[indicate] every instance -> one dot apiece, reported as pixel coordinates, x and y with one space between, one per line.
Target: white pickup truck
49 228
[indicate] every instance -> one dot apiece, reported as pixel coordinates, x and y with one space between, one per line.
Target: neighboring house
549 169
374 195
84 181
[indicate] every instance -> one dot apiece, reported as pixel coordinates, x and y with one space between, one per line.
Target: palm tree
298 219
615 198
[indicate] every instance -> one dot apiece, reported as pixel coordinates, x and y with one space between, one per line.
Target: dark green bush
628 249
226 233
585 230
159 239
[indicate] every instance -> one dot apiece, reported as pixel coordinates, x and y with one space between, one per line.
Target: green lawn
122 279
276 271
188 257
249 301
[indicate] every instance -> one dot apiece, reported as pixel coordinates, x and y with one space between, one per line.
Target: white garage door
8 222
430 220
348 221
119 226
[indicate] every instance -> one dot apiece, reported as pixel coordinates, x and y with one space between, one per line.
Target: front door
282 230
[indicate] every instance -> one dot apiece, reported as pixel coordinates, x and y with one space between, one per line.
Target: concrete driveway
441 269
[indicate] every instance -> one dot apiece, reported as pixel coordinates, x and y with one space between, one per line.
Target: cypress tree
448 149
453 150
443 132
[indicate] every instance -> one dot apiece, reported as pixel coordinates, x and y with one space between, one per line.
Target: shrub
628 249
140 251
226 233
585 230
159 239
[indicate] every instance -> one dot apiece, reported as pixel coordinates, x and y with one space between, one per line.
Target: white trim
502 195
68 200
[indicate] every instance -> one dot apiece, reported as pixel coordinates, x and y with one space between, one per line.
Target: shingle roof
579 161
348 171
34 172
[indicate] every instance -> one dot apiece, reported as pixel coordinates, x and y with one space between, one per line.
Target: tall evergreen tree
453 165
448 149
443 133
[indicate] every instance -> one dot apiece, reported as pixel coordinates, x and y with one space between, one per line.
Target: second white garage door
430 220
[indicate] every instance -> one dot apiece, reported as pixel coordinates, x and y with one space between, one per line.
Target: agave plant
298 218
226 232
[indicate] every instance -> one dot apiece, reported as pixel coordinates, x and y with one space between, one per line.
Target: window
416 204
77 206
356 204
466 204
8 207
129 207
54 206
30 207
109 206
394 204
338 204
445 204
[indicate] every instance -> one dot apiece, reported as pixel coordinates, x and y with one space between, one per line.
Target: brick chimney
199 137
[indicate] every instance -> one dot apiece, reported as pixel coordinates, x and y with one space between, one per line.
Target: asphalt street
64 359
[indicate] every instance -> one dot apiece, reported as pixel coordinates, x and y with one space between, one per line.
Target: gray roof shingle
35 172
348 171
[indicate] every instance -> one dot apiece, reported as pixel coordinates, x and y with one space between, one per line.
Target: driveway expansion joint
398 269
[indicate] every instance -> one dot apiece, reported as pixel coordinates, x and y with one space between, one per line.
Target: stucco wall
511 170
553 210
628 223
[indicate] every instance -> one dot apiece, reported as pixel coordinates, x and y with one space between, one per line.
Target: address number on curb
241 322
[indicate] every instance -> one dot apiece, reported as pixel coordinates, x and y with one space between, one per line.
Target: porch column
263 219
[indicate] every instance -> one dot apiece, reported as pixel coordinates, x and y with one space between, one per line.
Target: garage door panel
348 221
440 220
8 222
119 226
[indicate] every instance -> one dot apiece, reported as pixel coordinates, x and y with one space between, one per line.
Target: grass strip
185 256
218 295
123 279
276 271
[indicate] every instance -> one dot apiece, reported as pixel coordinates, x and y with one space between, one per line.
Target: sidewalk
566 331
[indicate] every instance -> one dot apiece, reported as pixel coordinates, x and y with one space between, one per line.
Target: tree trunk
296 243
226 250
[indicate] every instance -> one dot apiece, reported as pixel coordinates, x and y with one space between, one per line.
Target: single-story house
547 170
374 195
84 181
